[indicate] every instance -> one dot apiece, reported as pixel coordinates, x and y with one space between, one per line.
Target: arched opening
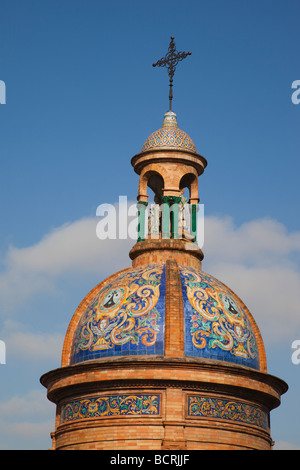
187 218
189 184
167 216
156 184
154 210
149 215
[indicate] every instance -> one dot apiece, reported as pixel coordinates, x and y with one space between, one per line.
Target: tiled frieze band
112 405
217 408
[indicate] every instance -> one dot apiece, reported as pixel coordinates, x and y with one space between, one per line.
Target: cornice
93 384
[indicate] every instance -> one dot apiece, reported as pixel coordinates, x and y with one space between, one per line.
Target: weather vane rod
170 61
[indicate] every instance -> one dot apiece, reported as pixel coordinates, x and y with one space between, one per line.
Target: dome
169 137
125 315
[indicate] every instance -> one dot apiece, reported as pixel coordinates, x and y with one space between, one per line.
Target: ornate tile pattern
171 137
124 318
208 407
113 405
215 324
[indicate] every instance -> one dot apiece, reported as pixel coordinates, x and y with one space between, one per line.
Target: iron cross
170 61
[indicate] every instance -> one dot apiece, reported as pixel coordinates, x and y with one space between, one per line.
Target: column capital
171 199
142 203
142 197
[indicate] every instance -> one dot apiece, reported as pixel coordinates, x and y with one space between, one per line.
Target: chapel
163 355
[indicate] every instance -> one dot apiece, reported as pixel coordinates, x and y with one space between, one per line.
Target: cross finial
170 61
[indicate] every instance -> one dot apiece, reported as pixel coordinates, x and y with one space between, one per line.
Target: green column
141 205
174 202
194 210
165 217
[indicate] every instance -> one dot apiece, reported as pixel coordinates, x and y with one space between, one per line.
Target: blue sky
81 99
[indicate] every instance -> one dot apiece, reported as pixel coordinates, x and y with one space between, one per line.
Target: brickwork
159 251
171 160
174 346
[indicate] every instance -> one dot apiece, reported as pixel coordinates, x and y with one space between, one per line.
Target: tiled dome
127 317
169 137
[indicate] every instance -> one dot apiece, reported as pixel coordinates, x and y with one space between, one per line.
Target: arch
153 180
190 181
156 183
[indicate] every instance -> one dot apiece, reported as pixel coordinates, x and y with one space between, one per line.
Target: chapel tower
162 355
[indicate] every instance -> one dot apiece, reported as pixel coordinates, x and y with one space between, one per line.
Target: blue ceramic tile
124 318
215 324
111 405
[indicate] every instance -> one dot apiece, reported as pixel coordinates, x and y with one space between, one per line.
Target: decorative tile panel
207 407
113 405
126 317
216 325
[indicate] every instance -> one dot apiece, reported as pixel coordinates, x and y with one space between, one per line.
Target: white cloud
28 419
34 403
258 242
26 347
29 430
72 248
31 346
64 248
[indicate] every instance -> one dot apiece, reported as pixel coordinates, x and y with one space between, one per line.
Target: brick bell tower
162 355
